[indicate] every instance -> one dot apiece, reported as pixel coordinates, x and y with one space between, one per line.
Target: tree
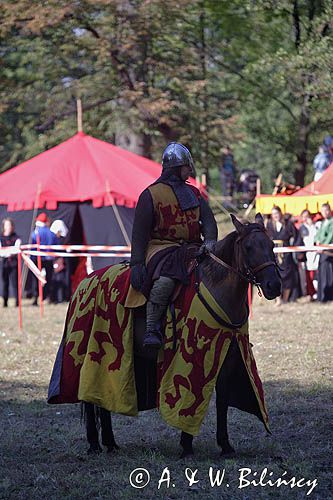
253 74
143 63
283 60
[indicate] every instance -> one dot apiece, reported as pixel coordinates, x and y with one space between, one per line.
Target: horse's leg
91 428
186 441
222 388
107 432
222 423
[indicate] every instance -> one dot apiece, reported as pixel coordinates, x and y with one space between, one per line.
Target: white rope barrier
117 251
114 251
70 250
75 254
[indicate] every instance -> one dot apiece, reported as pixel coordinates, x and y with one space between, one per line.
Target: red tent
81 168
323 186
78 181
93 186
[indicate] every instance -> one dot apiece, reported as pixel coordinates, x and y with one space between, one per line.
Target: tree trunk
303 142
203 56
297 24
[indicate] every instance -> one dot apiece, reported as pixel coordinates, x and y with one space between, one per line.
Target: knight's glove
206 247
209 245
138 275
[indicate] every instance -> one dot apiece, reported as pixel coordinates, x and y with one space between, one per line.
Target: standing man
228 172
46 237
321 162
172 221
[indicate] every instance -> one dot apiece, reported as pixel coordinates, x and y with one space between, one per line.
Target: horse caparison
248 257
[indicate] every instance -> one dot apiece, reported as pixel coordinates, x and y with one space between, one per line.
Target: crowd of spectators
308 274
304 274
57 287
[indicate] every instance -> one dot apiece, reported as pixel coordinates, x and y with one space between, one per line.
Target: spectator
321 162
46 237
328 146
228 172
9 265
324 236
60 288
247 186
284 233
308 232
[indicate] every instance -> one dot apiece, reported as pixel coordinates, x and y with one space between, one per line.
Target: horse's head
255 257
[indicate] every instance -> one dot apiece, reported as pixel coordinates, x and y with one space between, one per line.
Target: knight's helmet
177 155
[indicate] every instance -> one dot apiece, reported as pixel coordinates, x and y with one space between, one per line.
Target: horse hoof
186 453
227 451
112 448
94 449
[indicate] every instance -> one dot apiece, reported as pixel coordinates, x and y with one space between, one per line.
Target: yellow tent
311 197
292 204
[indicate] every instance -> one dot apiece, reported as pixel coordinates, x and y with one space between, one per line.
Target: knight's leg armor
157 304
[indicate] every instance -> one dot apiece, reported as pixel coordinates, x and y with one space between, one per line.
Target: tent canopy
310 197
79 169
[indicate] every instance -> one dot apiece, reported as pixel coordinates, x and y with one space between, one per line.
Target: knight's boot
153 336
156 308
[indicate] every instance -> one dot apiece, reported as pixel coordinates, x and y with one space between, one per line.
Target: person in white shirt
308 231
60 278
9 238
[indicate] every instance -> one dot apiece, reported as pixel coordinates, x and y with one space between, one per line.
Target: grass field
43 448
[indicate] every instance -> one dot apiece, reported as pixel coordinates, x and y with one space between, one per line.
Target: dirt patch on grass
42 448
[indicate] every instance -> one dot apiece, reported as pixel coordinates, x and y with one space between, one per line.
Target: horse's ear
259 219
238 225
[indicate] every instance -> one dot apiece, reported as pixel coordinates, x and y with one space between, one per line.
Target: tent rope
34 213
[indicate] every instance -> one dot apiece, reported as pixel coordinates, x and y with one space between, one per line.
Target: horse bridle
250 274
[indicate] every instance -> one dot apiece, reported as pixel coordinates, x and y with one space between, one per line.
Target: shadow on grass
42 447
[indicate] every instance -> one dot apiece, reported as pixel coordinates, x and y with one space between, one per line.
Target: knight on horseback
172 223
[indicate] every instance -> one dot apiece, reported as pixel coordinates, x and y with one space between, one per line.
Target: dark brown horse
244 256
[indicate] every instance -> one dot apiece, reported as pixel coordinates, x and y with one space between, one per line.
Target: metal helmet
176 155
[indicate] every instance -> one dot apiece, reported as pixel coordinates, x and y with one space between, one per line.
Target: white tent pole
116 213
79 115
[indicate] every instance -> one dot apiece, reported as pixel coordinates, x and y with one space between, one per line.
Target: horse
244 256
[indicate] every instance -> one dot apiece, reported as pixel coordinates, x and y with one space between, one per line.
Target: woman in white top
9 238
308 232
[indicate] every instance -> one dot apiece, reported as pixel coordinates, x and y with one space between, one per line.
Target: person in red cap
46 237
42 218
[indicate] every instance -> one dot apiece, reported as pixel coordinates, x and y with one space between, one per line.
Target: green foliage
254 74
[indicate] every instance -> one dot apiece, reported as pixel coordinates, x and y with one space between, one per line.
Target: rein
250 273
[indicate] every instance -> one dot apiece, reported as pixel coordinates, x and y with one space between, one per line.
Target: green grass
43 448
